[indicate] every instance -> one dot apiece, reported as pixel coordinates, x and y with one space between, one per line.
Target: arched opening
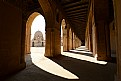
63 35
35 35
38 32
38 50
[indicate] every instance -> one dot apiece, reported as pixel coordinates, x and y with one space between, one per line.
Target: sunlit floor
75 65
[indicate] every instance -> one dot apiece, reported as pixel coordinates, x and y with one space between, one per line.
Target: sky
39 24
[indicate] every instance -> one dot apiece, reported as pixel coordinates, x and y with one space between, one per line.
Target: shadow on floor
84 70
87 71
87 54
34 73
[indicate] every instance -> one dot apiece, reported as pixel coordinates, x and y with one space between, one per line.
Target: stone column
117 9
64 38
28 31
87 37
79 42
73 41
94 36
90 35
101 22
76 42
53 42
70 39
102 44
28 40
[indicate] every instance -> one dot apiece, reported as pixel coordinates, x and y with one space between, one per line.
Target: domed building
38 40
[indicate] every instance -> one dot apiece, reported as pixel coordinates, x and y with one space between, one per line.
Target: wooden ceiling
77 13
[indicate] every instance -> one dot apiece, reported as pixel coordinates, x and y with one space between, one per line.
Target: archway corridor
75 65
93 23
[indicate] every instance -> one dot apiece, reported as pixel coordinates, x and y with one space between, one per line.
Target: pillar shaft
101 23
53 42
90 35
67 40
102 44
28 38
64 39
73 41
117 9
87 37
70 39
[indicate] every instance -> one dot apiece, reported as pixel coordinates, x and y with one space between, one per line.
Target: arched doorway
35 35
34 31
28 31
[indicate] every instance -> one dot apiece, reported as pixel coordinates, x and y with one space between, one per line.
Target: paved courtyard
75 65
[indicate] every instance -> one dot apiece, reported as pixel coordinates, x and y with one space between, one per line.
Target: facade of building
38 40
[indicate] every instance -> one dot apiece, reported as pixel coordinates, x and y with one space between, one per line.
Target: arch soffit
31 18
47 10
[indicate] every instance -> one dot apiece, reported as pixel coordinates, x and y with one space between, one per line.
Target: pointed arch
48 11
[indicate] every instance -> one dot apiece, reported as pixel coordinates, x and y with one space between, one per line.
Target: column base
52 56
28 53
66 51
104 58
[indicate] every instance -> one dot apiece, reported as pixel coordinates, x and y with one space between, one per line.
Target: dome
38 33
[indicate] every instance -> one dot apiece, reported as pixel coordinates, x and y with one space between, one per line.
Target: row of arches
65 31
53 17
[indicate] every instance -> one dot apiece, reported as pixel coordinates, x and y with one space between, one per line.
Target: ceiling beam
71 2
79 21
83 13
76 7
77 11
74 4
77 16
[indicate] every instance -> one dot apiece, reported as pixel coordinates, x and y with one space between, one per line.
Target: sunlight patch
51 67
84 57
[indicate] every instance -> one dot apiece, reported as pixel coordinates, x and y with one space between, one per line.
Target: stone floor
75 65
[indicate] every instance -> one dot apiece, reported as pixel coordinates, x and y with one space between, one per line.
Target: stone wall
10 39
117 12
